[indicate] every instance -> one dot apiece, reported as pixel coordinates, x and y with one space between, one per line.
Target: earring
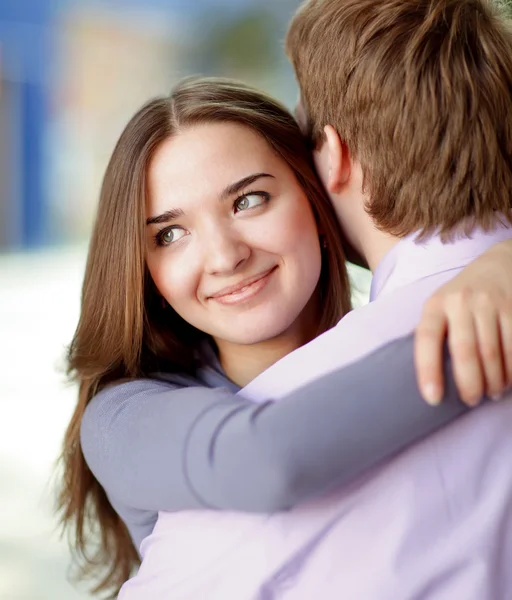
323 241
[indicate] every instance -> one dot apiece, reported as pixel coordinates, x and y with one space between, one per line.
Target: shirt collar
410 260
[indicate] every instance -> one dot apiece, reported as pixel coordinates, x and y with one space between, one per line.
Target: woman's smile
245 290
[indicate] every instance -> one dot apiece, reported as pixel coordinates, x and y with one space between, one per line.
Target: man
408 106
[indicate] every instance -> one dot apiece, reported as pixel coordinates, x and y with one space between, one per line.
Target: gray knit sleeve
154 446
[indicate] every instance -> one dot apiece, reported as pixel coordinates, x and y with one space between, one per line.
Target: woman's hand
474 310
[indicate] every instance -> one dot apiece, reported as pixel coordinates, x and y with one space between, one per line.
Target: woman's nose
225 252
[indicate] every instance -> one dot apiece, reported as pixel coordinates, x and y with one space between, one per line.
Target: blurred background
72 72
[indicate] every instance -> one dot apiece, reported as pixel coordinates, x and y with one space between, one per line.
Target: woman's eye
250 201
171 235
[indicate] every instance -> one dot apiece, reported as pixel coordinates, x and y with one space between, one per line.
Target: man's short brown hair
421 93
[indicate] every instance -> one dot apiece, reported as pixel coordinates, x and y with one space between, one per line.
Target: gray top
178 442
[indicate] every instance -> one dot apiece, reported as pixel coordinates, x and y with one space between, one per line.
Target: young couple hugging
238 427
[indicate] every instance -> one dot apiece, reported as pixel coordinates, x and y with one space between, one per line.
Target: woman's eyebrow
238 186
232 189
168 215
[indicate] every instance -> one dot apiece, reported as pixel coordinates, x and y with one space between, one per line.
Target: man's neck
371 243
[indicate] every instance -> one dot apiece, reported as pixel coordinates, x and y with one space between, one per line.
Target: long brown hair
123 332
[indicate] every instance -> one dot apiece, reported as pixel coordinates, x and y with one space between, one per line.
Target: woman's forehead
205 159
213 137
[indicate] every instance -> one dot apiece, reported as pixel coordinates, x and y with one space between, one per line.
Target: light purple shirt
433 523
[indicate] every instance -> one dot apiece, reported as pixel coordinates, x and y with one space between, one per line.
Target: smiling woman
242 261
215 253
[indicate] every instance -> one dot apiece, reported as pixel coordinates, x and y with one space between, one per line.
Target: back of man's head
421 93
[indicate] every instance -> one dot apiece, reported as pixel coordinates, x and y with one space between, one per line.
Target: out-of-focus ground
39 301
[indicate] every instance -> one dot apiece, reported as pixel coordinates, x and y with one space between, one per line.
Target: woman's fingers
474 331
506 342
488 332
428 352
464 350
474 311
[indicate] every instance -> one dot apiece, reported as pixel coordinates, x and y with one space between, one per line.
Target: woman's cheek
181 282
288 227
300 226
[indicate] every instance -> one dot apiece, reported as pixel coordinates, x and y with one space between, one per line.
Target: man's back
408 106
435 521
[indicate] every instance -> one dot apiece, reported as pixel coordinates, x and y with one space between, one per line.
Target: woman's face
232 243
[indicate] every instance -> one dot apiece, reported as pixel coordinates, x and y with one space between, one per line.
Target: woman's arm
154 447
474 310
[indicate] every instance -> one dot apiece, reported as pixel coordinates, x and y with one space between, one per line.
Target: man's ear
338 160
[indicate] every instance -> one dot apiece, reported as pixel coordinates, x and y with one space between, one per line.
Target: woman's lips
244 291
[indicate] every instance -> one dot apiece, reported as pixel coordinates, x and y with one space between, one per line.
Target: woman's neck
243 362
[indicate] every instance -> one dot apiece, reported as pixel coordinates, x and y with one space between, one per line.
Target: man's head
418 97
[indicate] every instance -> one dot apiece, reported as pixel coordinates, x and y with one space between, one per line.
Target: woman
215 252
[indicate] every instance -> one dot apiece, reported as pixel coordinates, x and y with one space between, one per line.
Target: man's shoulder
352 338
